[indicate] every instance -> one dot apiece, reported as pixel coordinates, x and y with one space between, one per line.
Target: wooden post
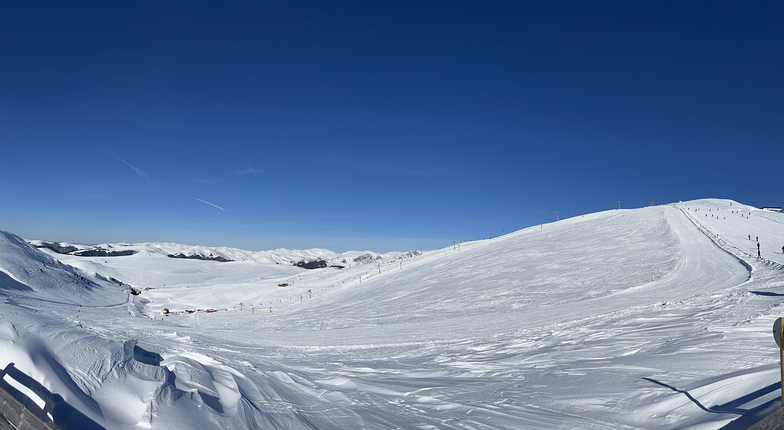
778 334
781 360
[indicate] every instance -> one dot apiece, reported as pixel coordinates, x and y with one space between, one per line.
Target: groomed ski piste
654 318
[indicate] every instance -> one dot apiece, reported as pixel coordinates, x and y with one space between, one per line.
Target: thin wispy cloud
216 206
245 172
138 171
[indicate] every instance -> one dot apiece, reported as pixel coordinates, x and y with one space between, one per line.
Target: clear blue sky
377 125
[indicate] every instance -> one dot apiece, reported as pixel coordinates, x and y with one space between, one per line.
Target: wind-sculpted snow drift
649 318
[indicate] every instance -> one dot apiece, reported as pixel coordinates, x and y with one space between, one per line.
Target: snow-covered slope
31 273
649 318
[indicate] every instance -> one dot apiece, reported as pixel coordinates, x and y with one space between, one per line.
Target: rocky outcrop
200 257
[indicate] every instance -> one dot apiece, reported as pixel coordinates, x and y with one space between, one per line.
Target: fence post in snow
781 359
778 335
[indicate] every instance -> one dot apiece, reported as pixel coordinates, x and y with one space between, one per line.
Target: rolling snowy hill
648 318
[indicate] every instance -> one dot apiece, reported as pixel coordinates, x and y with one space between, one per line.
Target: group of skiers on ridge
759 255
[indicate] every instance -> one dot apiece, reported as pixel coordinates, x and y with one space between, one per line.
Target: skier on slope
758 250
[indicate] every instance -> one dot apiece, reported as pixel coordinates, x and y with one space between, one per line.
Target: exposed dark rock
312 264
366 258
92 252
57 248
409 254
102 253
200 257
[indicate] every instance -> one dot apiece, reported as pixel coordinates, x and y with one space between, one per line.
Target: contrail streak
242 152
246 159
204 201
139 172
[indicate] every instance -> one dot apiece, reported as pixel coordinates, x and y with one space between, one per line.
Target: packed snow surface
654 318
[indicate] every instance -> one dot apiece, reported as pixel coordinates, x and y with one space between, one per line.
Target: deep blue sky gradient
383 126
